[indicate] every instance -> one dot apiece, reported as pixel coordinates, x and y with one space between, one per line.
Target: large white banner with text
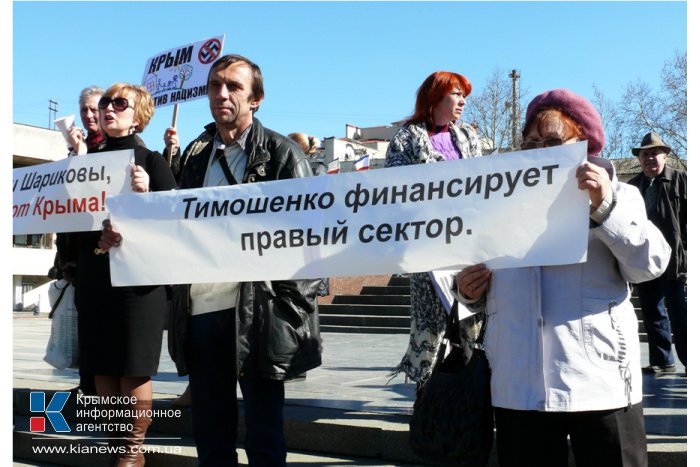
68 195
518 209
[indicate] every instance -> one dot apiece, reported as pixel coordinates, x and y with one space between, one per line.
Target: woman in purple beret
562 341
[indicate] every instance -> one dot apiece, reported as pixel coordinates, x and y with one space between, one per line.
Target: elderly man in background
664 192
79 142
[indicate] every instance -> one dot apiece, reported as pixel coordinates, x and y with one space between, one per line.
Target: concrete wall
39 144
31 261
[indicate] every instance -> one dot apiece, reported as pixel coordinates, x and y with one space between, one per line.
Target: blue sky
326 64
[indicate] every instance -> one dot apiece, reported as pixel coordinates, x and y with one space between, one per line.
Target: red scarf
93 140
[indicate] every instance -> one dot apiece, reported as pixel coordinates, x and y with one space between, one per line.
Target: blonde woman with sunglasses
121 328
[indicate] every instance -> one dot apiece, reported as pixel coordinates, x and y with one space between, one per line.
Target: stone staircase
376 310
638 311
387 310
379 310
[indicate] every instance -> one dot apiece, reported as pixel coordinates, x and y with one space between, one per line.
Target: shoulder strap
57 302
219 155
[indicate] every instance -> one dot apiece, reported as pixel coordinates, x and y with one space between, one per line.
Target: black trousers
215 404
608 438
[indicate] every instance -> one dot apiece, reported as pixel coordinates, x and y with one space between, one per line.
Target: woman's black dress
120 328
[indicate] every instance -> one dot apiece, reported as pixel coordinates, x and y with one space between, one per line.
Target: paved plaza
354 377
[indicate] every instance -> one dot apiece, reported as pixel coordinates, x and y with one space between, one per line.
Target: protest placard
68 195
180 74
519 209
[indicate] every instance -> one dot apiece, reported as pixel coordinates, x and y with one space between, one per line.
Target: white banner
180 74
518 209
68 195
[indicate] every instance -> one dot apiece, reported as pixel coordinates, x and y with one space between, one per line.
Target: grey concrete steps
386 290
376 310
373 299
400 280
356 313
366 321
353 329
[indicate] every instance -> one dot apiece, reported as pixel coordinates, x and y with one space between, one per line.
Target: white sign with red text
512 210
68 195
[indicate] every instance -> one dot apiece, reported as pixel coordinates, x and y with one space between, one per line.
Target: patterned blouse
411 145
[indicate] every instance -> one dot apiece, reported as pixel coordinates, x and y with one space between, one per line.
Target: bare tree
664 111
617 141
674 78
489 109
642 109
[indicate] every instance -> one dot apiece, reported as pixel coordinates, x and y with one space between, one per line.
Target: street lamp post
514 75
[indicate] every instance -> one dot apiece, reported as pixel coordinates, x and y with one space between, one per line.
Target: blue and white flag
362 163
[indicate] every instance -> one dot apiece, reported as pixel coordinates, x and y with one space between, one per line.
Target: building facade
358 142
33 255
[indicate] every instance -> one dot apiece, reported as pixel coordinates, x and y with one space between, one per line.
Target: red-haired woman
431 134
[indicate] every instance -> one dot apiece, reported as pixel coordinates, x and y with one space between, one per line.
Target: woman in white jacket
562 341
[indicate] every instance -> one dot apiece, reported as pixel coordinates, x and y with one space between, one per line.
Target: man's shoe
659 369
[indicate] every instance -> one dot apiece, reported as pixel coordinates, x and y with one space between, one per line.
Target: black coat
670 216
278 334
120 328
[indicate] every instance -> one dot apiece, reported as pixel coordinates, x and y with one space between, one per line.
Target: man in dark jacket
664 192
255 333
80 143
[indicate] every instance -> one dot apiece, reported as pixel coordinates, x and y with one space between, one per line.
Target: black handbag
452 421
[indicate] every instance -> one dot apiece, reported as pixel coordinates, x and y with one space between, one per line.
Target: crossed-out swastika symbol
209 51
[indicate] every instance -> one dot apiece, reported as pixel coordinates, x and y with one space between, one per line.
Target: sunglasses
120 104
547 143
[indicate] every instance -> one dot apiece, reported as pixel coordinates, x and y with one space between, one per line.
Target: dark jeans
610 438
214 403
661 318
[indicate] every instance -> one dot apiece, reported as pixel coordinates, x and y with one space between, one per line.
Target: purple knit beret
576 107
